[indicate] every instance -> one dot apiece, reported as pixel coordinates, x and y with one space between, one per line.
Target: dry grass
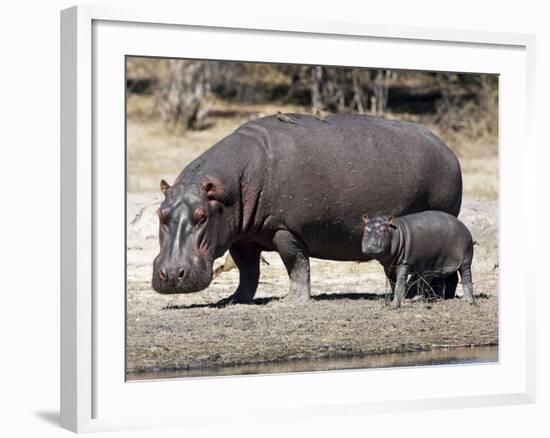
154 153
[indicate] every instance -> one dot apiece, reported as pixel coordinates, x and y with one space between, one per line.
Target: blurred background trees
185 92
182 97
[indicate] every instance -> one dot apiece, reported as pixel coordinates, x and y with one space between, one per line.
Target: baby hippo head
377 235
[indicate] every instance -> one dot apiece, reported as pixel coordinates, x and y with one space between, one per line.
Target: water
454 356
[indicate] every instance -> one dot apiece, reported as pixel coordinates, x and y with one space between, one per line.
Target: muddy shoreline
484 354
278 333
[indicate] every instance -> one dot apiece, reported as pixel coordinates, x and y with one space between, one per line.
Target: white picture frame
94 394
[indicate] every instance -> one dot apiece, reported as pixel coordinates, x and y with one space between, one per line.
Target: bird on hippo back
296 189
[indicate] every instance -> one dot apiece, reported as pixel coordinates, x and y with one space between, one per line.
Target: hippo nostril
181 274
162 274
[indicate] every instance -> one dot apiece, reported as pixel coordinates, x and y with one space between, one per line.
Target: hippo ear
365 218
164 186
214 190
210 190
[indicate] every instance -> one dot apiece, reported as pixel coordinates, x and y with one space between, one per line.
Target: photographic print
284 218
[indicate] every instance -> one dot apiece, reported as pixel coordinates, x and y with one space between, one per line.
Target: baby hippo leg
390 276
466 275
400 285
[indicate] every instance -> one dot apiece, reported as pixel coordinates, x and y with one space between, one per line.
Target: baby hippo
430 243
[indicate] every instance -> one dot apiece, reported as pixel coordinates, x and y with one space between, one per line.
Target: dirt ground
348 316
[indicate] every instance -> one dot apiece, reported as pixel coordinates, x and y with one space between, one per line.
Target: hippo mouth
195 281
373 250
191 276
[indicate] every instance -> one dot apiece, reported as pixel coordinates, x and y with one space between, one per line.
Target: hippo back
321 177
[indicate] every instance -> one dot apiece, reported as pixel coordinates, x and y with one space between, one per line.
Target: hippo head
192 233
376 236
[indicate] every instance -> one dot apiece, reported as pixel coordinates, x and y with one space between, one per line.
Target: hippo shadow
219 304
265 300
348 296
376 296
320 297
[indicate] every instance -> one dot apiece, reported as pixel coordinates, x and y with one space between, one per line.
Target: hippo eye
200 216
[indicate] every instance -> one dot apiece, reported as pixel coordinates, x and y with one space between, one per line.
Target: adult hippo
299 189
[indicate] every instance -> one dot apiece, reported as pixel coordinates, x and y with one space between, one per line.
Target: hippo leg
437 287
466 275
247 260
400 285
295 257
450 286
390 276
